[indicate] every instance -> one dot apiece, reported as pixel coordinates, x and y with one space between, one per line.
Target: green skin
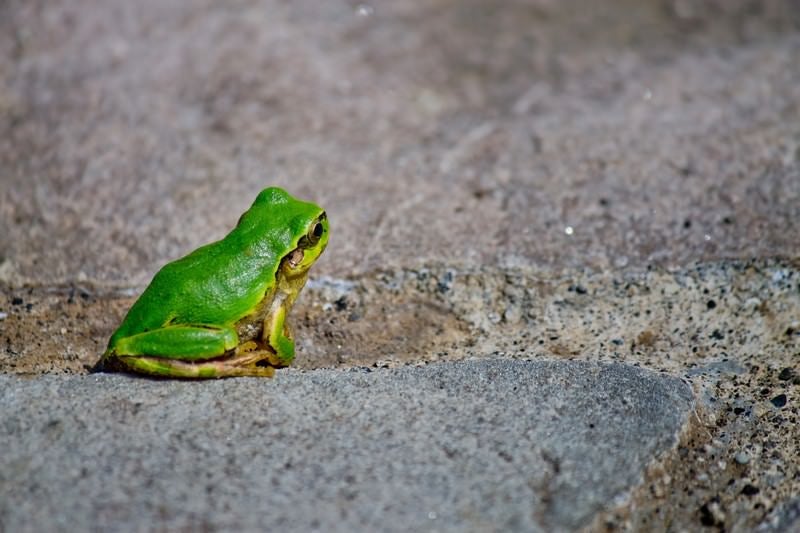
221 310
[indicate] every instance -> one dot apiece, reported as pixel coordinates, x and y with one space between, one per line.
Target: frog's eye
315 233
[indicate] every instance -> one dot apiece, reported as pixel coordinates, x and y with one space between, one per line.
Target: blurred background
536 133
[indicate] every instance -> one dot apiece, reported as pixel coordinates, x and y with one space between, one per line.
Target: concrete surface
528 179
479 445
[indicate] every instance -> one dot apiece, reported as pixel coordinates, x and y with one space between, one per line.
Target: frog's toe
252 370
248 346
247 359
277 361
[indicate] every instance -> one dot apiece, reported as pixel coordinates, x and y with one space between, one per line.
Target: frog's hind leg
238 366
184 342
188 351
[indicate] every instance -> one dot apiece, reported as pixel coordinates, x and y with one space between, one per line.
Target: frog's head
293 230
309 247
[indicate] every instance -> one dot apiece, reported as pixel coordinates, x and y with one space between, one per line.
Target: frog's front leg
277 333
186 351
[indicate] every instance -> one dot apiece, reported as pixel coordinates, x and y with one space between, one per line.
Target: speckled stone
480 445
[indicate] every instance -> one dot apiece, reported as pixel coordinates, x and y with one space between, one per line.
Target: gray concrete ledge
476 445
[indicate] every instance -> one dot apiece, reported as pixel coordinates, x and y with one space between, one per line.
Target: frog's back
197 290
221 282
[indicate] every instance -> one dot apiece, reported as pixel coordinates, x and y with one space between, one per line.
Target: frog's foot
276 361
245 347
250 356
246 364
253 353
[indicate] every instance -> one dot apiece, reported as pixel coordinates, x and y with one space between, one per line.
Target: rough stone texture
785 518
677 321
478 445
525 179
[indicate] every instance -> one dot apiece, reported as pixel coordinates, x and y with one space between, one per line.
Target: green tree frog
221 311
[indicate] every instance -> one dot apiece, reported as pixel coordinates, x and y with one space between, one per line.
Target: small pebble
779 400
750 490
3 315
742 458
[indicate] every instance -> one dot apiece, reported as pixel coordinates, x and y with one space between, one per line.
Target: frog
221 311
